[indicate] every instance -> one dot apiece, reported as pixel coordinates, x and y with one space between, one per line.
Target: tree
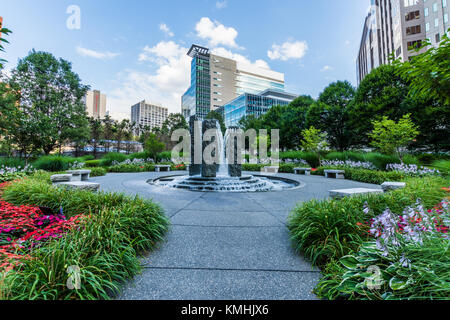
3 31
314 141
96 133
51 97
121 129
174 122
389 136
108 131
429 72
217 116
331 114
153 146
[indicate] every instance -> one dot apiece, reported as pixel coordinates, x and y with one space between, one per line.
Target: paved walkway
224 246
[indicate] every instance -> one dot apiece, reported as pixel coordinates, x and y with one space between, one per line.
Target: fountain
222 175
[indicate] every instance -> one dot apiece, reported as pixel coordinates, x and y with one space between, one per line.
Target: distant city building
215 80
148 114
394 27
1 24
95 104
436 20
253 104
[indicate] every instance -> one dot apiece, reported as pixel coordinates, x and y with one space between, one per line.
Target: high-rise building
392 28
148 114
95 104
436 15
216 80
254 104
1 24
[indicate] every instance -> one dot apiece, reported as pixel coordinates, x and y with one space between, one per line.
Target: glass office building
197 99
215 80
254 104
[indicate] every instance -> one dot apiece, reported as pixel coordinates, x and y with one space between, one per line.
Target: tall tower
95 104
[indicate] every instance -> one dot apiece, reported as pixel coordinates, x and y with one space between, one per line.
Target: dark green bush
139 155
108 158
364 175
105 249
12 162
123 168
93 163
327 229
309 157
86 158
54 163
97 172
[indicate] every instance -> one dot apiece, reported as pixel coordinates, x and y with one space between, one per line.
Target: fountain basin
246 183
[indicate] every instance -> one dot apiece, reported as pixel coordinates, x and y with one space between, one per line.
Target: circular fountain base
246 183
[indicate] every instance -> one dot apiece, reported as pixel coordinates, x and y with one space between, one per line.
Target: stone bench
79 175
305 171
159 168
270 169
335 174
337 194
80 185
389 186
58 178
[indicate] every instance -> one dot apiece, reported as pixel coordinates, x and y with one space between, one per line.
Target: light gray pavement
225 246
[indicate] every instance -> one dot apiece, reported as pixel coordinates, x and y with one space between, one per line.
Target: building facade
253 104
216 80
393 28
146 114
436 15
95 104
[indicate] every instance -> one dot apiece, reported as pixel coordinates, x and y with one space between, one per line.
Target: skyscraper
95 104
396 27
216 80
148 114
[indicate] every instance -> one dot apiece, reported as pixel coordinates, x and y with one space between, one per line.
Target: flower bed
407 258
412 169
23 228
13 173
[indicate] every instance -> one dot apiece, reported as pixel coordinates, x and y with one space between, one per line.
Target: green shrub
139 155
364 175
105 249
427 278
327 229
123 168
109 158
410 159
86 158
427 158
347 155
381 160
12 162
93 163
165 155
54 163
309 157
443 166
97 172
252 167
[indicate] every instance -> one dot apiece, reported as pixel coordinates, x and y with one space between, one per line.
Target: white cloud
288 50
164 28
165 85
221 4
96 54
216 33
347 42
326 68
239 58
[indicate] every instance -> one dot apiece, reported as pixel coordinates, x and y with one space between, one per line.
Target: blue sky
136 49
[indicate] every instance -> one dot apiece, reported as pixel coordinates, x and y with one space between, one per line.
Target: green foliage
331 114
153 146
327 230
97 172
93 163
52 111
109 158
54 163
426 279
4 32
12 162
390 136
314 141
217 116
106 248
429 72
310 157
443 166
174 122
122 168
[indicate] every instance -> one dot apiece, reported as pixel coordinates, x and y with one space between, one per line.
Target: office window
427 12
412 15
444 3
446 18
435 7
438 37
436 22
427 26
413 30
